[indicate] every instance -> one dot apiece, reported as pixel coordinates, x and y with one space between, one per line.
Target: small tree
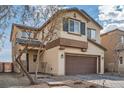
47 36
33 16
116 49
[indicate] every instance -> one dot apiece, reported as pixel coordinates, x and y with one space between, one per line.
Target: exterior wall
89 24
92 50
121 66
56 58
24 60
108 41
111 41
15 53
63 34
32 64
73 37
51 57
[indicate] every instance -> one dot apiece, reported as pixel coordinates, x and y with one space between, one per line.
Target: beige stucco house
113 41
76 48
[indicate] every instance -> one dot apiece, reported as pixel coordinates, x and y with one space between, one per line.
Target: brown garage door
80 65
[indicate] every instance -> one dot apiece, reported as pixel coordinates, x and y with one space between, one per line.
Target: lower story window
121 60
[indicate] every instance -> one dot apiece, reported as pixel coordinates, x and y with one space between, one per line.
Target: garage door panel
80 65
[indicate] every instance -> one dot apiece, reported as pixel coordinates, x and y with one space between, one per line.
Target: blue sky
92 10
5 54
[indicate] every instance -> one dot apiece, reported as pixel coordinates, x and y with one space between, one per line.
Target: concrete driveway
104 80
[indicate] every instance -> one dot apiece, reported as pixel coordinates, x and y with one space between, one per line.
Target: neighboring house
113 41
76 49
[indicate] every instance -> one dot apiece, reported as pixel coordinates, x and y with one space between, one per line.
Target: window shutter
65 24
82 28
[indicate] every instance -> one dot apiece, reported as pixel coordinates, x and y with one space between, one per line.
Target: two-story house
113 41
75 50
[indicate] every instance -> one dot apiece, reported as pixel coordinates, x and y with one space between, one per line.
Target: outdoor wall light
19 50
62 56
74 15
83 49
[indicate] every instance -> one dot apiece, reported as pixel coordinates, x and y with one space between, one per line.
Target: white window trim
92 34
74 31
22 34
91 29
122 39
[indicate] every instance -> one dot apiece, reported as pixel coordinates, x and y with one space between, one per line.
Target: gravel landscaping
13 80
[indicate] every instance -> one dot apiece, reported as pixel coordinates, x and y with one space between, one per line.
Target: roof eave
100 46
111 31
11 32
91 18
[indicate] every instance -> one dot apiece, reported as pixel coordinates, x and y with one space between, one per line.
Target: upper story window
91 33
27 34
24 35
122 39
74 26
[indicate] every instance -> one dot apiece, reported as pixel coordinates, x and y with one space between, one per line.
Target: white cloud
112 13
111 17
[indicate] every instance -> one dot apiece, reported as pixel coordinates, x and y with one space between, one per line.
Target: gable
81 15
75 15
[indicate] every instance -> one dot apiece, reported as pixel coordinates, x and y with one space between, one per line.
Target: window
74 26
122 39
34 58
77 26
71 26
91 33
24 35
121 60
